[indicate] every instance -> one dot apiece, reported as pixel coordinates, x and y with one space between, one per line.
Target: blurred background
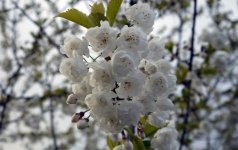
33 112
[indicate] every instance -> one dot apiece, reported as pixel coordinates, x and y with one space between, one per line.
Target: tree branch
190 65
52 127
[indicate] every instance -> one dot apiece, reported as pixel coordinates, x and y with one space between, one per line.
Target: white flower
158 118
165 139
6 63
101 104
148 101
124 113
118 147
163 69
165 104
128 145
157 84
216 38
101 77
82 89
158 144
132 38
141 15
74 46
164 66
150 68
127 81
219 60
82 124
111 124
142 65
147 67
122 63
73 68
131 85
171 83
129 112
102 38
156 49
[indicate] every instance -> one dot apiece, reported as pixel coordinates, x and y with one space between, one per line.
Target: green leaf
129 132
78 17
96 18
98 8
162 5
112 10
188 141
203 105
180 126
181 73
169 46
210 3
208 70
149 129
186 93
184 4
138 143
111 144
97 13
193 125
60 91
147 144
121 22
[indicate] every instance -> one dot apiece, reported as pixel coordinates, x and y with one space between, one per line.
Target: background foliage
33 113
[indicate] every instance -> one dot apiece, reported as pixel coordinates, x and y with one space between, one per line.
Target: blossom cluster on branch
129 80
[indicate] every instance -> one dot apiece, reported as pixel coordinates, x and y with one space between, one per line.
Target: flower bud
72 99
77 116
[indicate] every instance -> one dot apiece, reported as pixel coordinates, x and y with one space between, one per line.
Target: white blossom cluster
216 38
219 60
165 139
129 80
